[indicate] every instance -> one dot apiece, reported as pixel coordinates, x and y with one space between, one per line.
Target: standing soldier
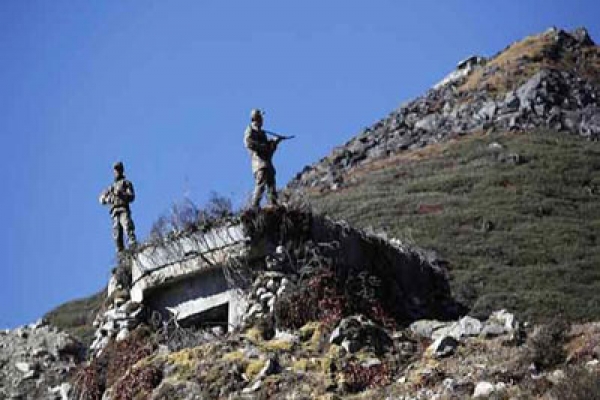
261 151
119 195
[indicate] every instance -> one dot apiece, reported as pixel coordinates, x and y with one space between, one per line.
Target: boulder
442 347
357 332
484 389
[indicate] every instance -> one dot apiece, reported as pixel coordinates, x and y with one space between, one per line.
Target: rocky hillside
489 180
549 80
496 168
37 361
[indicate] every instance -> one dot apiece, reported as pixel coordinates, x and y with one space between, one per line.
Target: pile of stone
36 360
116 323
266 289
561 100
446 336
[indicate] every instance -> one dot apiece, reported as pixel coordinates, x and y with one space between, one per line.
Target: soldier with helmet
261 152
118 196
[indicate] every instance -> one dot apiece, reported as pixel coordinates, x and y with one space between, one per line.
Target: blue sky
167 87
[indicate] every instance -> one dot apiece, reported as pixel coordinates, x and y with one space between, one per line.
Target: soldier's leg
129 226
259 187
271 186
118 232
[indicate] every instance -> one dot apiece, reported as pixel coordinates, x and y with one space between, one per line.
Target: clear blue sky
167 86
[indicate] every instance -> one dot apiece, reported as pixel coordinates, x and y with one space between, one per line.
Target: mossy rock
253 368
311 335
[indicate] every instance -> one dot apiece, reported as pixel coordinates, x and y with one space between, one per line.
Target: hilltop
496 168
449 251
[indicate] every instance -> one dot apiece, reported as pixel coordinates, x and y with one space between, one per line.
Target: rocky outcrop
36 362
548 81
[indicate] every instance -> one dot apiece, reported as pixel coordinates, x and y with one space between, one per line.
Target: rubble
36 360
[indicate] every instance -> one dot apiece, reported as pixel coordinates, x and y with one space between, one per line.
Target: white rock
63 391
271 284
281 290
255 386
449 384
23 367
484 389
260 291
265 297
122 335
112 285
443 346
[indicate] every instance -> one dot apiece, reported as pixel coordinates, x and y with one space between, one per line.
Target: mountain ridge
546 80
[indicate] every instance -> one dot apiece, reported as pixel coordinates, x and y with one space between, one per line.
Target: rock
468 326
351 346
122 335
449 385
484 389
254 388
443 346
465 327
428 123
499 323
265 297
370 362
354 333
492 330
113 285
23 367
271 367
63 390
425 328
556 376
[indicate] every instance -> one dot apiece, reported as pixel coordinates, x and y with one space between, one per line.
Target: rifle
279 136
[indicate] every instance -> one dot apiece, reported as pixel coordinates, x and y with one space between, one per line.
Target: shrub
546 345
579 384
359 377
138 383
91 380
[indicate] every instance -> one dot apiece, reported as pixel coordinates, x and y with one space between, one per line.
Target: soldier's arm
253 144
130 192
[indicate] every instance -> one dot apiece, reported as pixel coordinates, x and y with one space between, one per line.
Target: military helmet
255 114
118 166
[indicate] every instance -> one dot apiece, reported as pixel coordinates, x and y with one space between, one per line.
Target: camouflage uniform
119 195
261 151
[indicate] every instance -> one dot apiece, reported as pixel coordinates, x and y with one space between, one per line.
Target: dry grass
523 59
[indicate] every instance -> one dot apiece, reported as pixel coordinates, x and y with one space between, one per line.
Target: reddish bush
89 383
359 378
138 383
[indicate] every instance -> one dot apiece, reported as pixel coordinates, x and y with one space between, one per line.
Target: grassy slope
76 316
539 256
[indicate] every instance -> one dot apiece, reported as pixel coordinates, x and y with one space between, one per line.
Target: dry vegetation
521 60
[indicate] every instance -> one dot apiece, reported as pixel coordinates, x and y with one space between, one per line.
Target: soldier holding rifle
118 196
261 151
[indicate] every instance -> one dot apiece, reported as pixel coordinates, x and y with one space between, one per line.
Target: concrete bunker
189 276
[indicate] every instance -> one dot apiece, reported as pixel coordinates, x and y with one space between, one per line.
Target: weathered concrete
184 276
